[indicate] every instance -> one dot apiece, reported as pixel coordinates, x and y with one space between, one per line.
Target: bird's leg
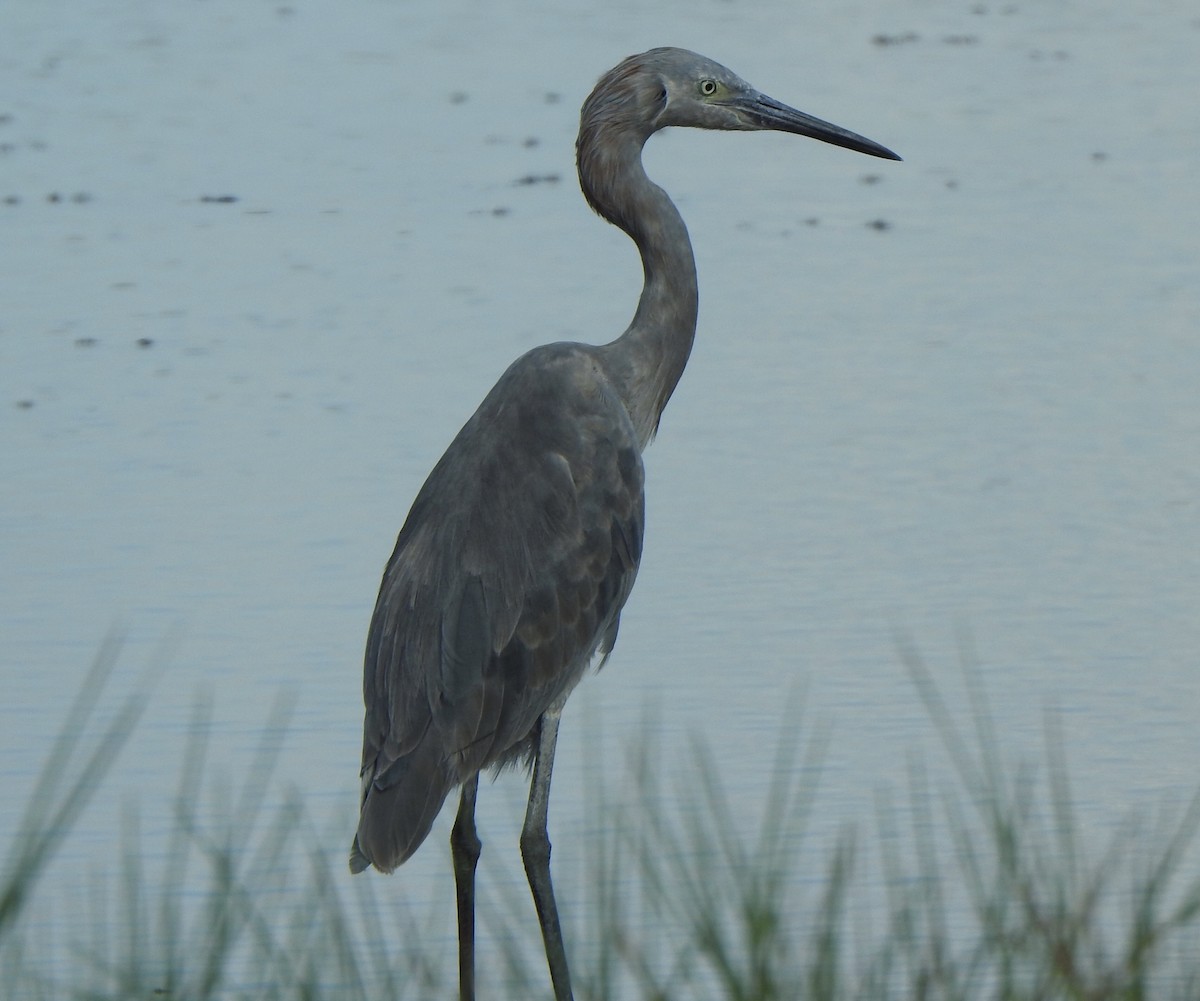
535 851
464 849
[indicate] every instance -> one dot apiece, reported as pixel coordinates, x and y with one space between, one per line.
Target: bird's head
669 86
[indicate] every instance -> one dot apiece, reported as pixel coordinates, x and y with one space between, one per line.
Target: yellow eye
708 87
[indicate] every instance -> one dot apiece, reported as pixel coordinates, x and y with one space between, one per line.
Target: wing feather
507 579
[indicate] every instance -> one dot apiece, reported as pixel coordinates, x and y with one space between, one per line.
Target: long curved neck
647 360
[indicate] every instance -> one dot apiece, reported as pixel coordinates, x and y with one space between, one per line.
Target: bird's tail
399 807
358 861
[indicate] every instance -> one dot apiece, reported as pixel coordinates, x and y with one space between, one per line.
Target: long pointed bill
767 113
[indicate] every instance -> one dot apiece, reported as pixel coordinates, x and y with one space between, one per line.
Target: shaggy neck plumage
659 339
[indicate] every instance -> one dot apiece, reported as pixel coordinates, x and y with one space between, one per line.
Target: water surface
948 398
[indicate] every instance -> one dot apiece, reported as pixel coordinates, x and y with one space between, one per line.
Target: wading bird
510 572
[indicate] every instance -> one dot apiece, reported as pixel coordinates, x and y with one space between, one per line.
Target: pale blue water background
982 416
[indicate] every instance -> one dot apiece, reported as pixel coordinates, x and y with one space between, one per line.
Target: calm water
950 397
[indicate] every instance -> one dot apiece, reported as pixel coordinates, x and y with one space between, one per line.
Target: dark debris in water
1057 55
218 199
885 39
531 179
904 38
879 225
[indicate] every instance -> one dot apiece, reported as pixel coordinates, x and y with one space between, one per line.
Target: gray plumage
510 573
508 576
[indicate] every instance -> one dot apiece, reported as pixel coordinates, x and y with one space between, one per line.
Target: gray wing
507 579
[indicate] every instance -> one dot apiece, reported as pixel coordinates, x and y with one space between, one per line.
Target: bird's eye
708 87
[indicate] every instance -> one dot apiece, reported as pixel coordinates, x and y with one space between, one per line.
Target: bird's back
507 579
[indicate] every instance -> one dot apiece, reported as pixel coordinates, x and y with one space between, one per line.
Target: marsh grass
72 774
985 888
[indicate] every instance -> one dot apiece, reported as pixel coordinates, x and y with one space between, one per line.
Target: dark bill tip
767 113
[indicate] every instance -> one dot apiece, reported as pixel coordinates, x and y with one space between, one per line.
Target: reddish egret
510 572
